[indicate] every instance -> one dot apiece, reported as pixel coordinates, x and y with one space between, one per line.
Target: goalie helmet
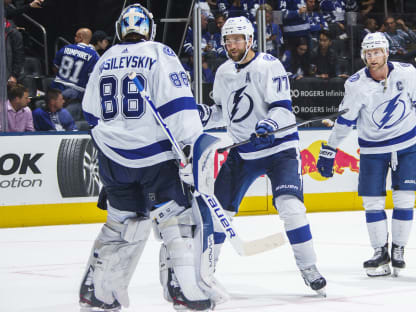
237 26
136 19
374 41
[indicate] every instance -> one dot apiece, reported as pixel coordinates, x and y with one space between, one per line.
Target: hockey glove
204 113
326 160
260 139
185 170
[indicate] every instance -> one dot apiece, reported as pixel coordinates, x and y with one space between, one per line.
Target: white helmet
374 41
136 19
237 25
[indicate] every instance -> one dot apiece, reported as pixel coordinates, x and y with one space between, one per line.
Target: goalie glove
204 113
326 160
185 170
259 138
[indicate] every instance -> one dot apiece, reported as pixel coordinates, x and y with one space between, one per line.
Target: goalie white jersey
124 128
384 111
251 92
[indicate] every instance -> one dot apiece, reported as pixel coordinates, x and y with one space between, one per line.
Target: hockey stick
243 248
223 149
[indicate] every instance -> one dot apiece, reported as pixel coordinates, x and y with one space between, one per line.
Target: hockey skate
378 265
88 301
314 280
179 300
397 260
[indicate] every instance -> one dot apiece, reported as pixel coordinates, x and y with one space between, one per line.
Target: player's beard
238 57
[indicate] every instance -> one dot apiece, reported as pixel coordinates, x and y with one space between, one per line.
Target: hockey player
380 99
252 96
139 172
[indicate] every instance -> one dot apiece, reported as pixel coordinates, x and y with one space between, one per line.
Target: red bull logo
342 161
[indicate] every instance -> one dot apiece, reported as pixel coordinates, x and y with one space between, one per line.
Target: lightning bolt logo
388 112
238 96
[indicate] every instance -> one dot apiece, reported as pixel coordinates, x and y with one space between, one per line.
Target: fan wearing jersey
252 97
139 171
380 98
74 64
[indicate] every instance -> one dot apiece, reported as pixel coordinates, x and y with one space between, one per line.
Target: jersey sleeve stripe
91 119
342 121
285 104
177 105
399 139
145 151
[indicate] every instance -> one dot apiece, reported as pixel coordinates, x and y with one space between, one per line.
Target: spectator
207 74
234 8
74 63
399 37
101 41
19 116
206 46
274 38
216 37
334 13
53 117
323 58
296 60
15 56
206 9
11 13
316 20
370 26
295 23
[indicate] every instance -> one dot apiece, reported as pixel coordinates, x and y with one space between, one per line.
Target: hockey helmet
237 25
374 41
136 19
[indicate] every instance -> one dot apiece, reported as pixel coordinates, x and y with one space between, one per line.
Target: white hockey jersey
251 92
384 111
125 129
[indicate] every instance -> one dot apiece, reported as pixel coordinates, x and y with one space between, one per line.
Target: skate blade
321 292
95 309
396 272
382 270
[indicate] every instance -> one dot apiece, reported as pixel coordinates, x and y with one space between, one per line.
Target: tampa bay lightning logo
389 113
269 57
241 105
168 51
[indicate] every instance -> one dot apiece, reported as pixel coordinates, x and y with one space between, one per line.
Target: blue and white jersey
251 92
385 117
75 62
125 129
294 24
333 10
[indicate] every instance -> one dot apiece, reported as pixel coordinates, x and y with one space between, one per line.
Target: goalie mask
375 40
136 19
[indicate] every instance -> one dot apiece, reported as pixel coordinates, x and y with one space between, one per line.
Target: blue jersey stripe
285 104
177 105
401 138
342 121
145 151
299 235
403 214
375 216
91 119
249 147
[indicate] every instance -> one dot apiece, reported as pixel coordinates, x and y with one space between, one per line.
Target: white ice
41 268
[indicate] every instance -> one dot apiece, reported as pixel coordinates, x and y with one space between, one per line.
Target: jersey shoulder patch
268 57
354 77
168 51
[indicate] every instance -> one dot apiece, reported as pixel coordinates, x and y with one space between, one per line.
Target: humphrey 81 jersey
384 111
251 92
125 130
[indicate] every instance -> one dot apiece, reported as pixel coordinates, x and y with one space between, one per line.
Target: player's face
236 46
376 58
78 37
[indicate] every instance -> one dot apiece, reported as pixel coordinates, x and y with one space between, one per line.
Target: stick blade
263 244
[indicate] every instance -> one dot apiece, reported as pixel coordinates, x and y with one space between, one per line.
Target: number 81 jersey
124 127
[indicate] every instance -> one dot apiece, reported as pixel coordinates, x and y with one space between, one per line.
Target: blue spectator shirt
294 24
75 63
399 40
44 120
333 11
188 45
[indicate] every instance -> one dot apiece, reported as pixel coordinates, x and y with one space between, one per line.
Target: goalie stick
223 149
243 248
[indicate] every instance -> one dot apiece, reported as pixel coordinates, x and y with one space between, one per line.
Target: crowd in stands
312 38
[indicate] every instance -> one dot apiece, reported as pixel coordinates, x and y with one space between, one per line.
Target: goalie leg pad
177 228
113 259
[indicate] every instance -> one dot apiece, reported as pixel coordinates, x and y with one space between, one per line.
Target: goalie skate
87 300
314 280
397 260
378 265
